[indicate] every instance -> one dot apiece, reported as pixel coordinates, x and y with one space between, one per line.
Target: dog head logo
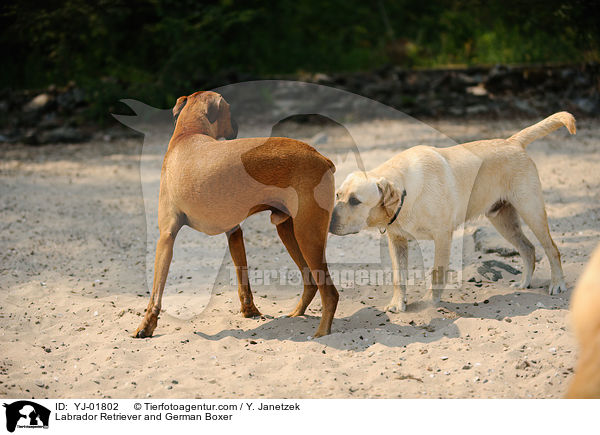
26 414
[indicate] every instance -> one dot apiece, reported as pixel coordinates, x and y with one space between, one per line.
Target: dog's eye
337 196
353 200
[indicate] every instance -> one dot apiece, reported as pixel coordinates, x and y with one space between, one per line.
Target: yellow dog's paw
557 286
521 284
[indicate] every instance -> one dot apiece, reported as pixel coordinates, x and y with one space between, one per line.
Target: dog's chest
410 231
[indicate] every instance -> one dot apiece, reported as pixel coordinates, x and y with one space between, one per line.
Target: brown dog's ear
212 111
179 105
390 200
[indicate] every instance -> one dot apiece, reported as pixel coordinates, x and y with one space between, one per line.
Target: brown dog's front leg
162 261
235 238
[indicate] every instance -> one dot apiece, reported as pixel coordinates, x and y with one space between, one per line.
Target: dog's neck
395 216
193 125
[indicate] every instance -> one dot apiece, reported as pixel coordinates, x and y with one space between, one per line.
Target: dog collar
399 208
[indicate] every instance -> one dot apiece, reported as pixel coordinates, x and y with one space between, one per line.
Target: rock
70 99
477 109
489 270
524 106
478 90
48 116
38 103
456 111
62 135
590 106
503 79
50 120
522 365
321 78
116 132
489 241
452 81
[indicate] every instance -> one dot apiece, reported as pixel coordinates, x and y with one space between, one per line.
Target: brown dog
585 308
213 185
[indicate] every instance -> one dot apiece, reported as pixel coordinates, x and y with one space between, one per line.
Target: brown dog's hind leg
235 238
311 234
162 261
286 234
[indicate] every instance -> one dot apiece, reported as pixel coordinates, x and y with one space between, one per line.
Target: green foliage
156 50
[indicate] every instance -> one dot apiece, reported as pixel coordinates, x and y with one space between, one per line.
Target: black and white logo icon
25 414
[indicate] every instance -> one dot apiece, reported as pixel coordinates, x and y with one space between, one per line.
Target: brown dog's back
217 184
287 158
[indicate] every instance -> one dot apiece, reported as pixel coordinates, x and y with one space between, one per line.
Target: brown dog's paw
146 328
320 333
251 311
296 313
140 333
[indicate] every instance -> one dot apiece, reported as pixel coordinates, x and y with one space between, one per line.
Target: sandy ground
75 242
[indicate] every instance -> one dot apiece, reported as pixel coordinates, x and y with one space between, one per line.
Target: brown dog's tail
542 128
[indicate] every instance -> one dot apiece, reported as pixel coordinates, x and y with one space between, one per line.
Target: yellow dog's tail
542 128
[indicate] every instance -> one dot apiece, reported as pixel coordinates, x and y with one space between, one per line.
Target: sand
75 242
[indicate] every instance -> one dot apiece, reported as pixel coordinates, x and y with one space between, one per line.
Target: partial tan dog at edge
425 193
212 186
585 310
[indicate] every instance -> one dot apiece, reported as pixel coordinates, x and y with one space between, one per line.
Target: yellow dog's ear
181 101
390 199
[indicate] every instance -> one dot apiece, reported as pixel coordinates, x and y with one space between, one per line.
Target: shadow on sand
371 325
